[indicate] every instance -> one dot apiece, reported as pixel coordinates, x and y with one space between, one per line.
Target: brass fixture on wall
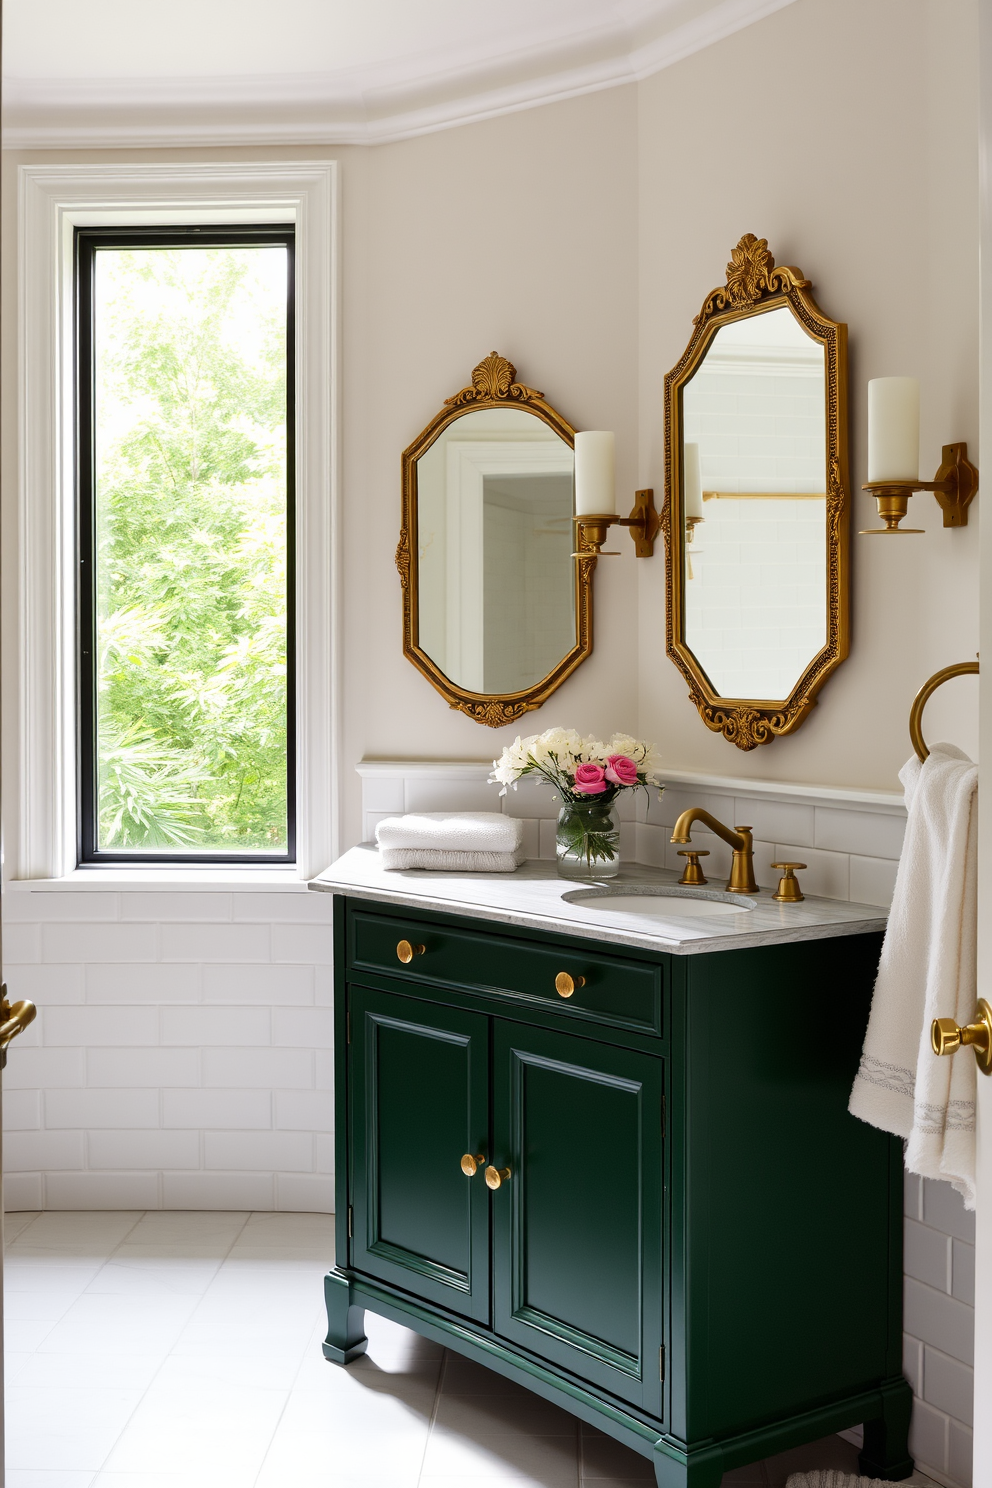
894 460
954 486
959 669
643 524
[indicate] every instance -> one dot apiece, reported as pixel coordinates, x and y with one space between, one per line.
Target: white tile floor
182 1350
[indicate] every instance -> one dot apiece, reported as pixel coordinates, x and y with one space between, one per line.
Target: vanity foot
345 1339
886 1448
703 1470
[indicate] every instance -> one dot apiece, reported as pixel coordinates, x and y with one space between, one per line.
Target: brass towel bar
961 669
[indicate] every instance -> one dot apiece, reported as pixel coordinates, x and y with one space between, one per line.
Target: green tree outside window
191 536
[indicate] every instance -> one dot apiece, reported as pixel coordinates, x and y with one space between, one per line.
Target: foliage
191 548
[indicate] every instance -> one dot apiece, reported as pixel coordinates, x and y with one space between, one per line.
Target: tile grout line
442 1372
167 1354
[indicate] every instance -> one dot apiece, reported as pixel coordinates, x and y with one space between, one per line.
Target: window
185 478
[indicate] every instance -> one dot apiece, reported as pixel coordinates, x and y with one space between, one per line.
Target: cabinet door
419 1100
577 1226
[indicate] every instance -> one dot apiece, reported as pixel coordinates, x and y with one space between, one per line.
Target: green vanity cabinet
675 1230
419 1082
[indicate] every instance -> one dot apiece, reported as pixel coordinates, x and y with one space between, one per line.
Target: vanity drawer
606 989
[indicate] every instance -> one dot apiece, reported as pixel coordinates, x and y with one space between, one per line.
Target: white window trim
53 199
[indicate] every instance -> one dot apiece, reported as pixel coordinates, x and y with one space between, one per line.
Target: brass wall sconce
596 502
893 460
643 523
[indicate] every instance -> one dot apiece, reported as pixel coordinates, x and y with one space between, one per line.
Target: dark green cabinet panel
787 1187
624 993
419 1077
697 1248
577 1227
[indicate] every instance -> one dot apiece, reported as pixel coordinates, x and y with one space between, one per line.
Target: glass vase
588 841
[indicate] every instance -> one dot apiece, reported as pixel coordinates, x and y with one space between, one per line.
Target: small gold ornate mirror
756 508
496 610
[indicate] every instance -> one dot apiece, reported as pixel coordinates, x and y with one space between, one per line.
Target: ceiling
142 72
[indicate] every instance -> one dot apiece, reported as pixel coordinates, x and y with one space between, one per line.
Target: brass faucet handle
788 891
693 873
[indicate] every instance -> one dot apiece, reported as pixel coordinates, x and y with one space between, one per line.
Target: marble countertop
533 897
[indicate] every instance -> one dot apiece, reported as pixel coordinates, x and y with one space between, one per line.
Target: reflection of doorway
510 584
528 593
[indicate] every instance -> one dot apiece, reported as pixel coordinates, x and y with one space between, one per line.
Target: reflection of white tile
604 1457
484 1418
28 1478
229 1429
122 1324
72 1427
548 1461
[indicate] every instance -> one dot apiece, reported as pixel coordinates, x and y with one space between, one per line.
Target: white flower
555 754
555 744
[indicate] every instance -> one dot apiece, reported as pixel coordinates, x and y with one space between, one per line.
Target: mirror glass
754 568
496 580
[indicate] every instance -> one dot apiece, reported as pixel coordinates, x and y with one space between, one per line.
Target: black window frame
88 241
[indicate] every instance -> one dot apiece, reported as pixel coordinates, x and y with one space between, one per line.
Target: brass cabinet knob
496 1176
472 1163
788 891
946 1037
565 985
406 951
693 873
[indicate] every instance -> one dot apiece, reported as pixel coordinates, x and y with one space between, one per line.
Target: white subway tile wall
179 1059
939 1323
182 1056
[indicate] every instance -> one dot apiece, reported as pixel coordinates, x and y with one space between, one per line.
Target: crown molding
370 106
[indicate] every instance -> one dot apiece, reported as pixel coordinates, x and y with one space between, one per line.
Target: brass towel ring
961 669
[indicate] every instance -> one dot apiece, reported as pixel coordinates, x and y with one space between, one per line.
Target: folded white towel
453 831
928 970
442 861
831 1477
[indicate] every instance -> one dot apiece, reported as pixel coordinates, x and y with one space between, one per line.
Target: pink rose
590 780
621 770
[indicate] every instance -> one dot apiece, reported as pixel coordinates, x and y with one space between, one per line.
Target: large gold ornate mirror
756 509
496 610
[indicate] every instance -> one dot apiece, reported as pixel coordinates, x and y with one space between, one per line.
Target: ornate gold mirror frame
755 285
494 385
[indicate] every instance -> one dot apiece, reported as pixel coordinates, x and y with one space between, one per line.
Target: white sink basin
661 903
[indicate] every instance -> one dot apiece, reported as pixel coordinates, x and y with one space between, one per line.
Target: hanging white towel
928 970
452 831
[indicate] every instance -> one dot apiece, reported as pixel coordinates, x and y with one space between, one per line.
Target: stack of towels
452 841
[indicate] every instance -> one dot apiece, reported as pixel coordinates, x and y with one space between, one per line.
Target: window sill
220 878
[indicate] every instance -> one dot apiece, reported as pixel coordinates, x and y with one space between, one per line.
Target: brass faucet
741 880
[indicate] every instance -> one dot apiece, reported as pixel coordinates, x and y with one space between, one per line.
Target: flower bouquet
588 777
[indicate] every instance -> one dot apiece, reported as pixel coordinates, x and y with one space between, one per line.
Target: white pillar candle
595 481
893 429
692 481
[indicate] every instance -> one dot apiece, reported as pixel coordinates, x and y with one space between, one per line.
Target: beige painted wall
518 234
579 240
844 131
